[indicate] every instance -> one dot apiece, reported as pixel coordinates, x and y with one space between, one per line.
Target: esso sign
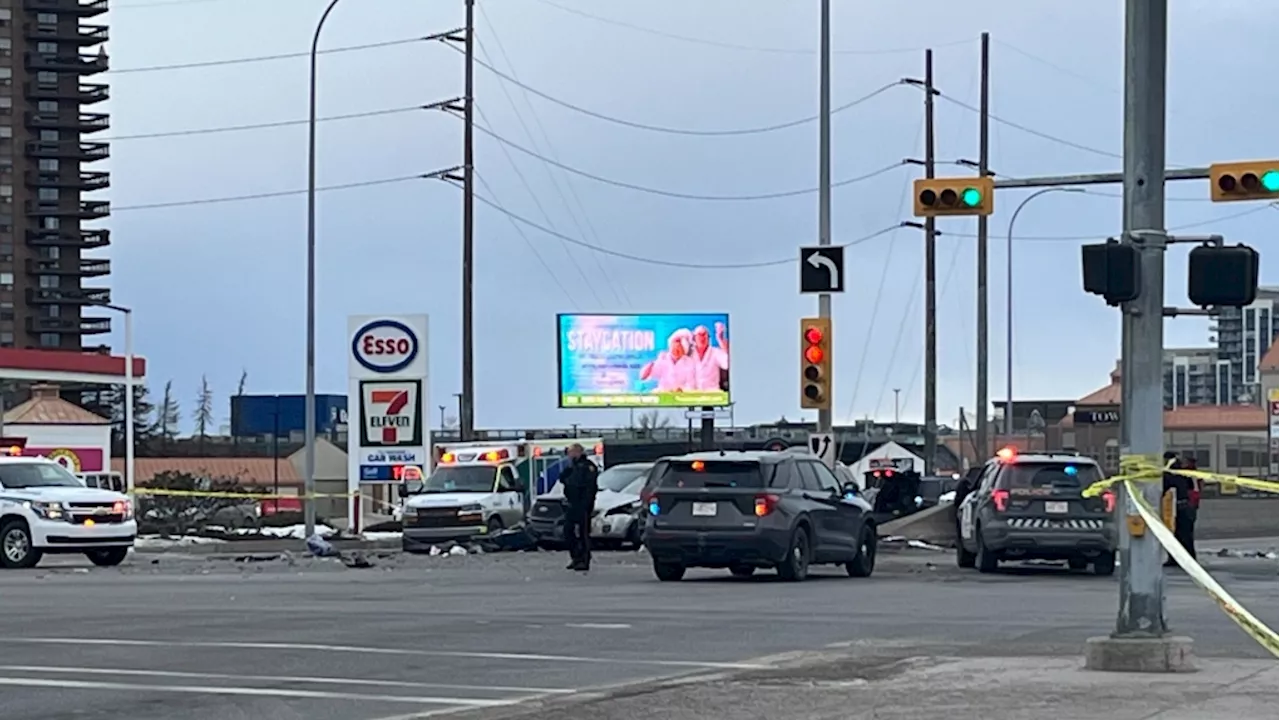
384 346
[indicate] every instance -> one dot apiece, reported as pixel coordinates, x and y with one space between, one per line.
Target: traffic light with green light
815 363
1247 180
954 196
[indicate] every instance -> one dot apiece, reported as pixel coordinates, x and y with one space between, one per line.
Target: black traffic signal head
1112 270
1222 276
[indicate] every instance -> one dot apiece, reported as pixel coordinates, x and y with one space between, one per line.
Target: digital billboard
634 361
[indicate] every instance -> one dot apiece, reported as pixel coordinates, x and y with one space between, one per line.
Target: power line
536 253
672 193
1033 131
267 125
735 46
683 131
282 193
667 263
266 58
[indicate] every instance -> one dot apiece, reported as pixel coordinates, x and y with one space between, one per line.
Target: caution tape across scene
1141 467
1136 468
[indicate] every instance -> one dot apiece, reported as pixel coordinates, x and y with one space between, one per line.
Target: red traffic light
814 336
813 354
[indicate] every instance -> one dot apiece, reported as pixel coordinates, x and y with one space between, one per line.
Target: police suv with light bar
1031 507
44 510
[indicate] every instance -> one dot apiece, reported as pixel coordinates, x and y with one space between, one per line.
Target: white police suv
44 509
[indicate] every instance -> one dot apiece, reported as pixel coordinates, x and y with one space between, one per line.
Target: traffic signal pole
1141 640
824 171
983 406
930 286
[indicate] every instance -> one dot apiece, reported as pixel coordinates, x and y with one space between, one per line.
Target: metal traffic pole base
1167 654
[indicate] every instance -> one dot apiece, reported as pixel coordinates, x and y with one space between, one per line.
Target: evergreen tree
168 416
203 416
144 424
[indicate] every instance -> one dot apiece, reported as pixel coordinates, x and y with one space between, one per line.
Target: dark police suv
1031 507
749 510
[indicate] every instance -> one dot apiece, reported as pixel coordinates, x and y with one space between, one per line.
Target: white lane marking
253 691
387 651
599 626
51 670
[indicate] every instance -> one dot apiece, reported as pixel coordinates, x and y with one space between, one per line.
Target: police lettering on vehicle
385 346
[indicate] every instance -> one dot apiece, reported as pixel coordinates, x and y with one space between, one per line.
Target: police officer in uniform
1181 486
580 490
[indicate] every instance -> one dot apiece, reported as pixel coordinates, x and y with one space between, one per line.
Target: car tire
984 559
1105 564
494 525
964 558
668 572
16 549
795 566
1077 563
864 560
107 557
634 538
742 571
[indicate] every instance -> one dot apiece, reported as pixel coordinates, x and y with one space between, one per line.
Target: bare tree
168 416
451 422
648 421
244 380
203 416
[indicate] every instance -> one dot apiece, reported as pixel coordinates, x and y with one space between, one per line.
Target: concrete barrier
936 525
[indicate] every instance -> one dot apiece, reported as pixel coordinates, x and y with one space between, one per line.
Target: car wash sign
388 379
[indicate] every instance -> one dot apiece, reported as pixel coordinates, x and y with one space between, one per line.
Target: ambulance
481 488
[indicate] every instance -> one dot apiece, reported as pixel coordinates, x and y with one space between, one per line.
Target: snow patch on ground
156 541
382 535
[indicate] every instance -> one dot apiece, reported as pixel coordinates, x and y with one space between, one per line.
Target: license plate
704 509
1055 507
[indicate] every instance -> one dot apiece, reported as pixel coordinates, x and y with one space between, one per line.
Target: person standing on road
1181 487
580 490
1185 524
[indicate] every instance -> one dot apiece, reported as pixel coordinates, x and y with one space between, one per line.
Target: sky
218 288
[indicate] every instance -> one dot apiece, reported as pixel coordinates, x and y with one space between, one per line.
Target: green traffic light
971 197
1271 181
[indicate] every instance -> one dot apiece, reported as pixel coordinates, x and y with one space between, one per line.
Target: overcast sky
219 287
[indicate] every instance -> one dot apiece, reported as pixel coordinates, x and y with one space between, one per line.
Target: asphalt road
213 639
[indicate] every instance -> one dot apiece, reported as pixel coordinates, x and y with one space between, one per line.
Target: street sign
822 269
712 414
824 446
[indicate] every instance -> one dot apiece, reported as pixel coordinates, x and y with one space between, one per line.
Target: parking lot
414 637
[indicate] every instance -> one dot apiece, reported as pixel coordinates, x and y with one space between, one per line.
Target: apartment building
1196 376
50 223
1243 336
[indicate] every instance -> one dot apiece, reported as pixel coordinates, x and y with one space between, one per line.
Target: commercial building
1196 376
48 50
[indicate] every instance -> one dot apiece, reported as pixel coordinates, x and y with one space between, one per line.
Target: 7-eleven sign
391 413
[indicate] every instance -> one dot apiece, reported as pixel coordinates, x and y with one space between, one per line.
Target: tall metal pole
984 116
309 406
824 168
1008 303
129 396
1146 47
930 286
897 392
467 402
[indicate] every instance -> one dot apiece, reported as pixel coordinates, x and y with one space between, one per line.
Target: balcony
84 35
80 122
83 93
69 150
84 209
84 181
85 267
81 326
79 8
80 63
68 296
84 238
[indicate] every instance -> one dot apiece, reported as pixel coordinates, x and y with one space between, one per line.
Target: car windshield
712 474
460 478
1051 475
37 474
620 477
637 485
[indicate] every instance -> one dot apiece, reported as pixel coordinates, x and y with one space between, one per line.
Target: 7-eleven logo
390 412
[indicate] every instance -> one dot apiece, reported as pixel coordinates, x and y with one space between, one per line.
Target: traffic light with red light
815 363
954 196
1247 180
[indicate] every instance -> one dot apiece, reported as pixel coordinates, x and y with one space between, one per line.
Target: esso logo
384 346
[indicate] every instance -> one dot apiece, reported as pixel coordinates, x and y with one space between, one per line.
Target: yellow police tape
1136 468
1141 466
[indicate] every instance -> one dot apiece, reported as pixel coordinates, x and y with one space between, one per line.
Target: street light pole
1008 303
129 438
309 407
